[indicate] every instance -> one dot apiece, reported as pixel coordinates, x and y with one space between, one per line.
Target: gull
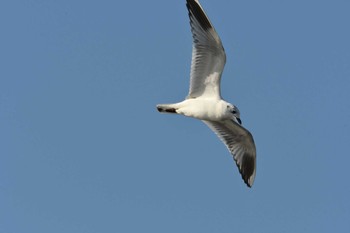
204 100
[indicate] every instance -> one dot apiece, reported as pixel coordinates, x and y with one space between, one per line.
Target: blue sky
83 148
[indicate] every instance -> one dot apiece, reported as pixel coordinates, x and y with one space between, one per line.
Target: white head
234 113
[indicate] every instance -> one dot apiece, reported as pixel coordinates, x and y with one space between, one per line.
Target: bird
204 101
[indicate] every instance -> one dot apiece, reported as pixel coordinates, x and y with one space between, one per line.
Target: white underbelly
203 109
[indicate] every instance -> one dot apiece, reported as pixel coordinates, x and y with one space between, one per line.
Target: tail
166 108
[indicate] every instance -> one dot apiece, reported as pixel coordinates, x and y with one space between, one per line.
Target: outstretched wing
240 143
208 55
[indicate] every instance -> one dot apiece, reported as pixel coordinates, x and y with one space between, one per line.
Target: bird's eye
233 111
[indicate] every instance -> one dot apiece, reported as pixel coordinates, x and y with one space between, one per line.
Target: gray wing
208 55
240 143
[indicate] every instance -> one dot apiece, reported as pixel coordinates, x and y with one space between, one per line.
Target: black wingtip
247 169
196 11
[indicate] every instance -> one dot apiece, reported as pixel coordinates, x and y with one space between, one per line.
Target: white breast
203 109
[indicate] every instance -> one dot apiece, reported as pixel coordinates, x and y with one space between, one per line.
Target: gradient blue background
83 149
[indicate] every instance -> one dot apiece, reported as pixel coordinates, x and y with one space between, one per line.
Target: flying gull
204 100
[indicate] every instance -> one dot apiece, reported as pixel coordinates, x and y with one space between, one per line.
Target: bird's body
204 100
201 108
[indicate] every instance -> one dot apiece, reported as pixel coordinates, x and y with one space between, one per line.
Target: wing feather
208 54
240 143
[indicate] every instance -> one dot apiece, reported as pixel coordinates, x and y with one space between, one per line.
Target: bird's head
234 113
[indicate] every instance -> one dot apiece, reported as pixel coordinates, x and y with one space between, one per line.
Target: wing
240 143
208 54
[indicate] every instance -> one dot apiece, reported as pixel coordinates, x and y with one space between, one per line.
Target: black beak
239 120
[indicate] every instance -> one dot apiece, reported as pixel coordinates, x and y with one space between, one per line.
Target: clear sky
83 149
